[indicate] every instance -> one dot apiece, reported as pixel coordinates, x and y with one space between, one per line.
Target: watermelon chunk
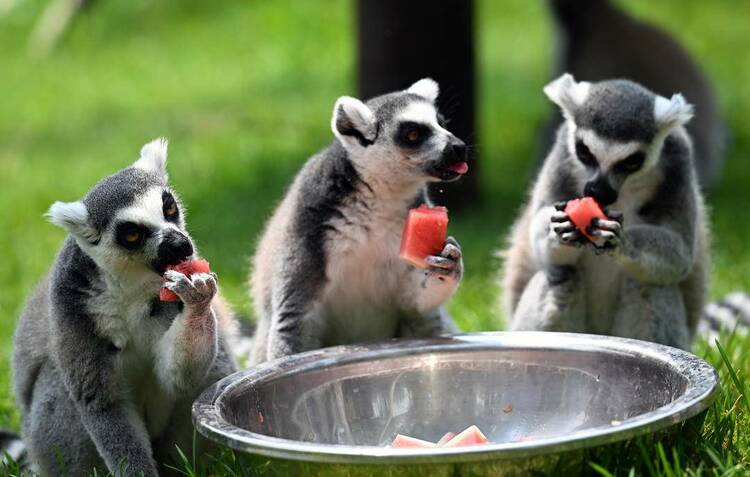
582 212
188 267
424 234
406 442
471 436
445 439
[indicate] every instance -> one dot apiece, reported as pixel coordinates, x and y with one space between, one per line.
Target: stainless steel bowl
539 397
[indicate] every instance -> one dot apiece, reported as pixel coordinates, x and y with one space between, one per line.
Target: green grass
244 91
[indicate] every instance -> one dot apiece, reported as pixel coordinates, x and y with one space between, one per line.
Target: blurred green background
244 91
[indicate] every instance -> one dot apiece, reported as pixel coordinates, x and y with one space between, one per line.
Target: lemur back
327 270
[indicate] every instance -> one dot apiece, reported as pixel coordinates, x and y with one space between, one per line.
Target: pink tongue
459 167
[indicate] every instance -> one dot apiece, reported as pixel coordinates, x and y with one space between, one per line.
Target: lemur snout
600 190
460 151
174 247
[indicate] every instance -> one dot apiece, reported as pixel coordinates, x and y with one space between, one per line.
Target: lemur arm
187 351
655 254
546 244
86 363
427 290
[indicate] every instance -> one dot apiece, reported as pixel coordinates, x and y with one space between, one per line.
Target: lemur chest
365 282
129 323
603 277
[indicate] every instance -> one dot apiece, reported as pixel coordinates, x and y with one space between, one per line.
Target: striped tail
11 447
728 314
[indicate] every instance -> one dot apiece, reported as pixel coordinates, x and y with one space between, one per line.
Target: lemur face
616 130
402 134
132 221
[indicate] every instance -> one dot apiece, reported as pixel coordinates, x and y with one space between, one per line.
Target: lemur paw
564 229
608 232
447 265
198 290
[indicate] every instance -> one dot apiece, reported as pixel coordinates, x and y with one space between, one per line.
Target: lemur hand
565 230
608 232
448 266
196 291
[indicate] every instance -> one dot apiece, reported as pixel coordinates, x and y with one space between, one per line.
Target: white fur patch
426 88
153 156
419 112
355 112
673 112
607 152
567 93
73 217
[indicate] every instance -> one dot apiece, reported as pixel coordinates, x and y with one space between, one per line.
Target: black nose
600 190
460 150
174 248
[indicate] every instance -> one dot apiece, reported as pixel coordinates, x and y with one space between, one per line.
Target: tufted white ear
153 156
671 113
426 88
353 122
567 93
73 217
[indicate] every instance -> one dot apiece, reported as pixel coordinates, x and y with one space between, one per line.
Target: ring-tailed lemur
104 372
327 269
627 148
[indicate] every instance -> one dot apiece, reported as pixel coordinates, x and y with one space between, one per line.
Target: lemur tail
11 447
729 313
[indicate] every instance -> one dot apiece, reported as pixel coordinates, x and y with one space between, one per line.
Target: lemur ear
73 217
153 157
671 113
426 88
353 122
567 93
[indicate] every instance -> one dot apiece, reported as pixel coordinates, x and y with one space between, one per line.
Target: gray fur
598 39
646 276
105 374
327 271
620 110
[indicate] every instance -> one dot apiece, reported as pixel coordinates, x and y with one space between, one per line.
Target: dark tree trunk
401 41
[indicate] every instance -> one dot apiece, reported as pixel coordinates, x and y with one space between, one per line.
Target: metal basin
541 398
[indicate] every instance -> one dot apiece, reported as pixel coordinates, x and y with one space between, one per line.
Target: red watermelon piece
188 268
406 442
582 211
445 439
424 234
471 436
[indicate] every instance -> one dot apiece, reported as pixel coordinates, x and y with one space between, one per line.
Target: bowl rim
702 386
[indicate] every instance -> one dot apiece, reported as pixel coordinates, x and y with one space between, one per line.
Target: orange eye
412 135
171 210
133 237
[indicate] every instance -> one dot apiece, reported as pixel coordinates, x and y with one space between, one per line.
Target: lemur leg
553 300
652 313
188 349
432 287
56 439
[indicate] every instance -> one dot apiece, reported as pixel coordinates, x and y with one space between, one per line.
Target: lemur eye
585 155
631 163
131 235
169 206
411 134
